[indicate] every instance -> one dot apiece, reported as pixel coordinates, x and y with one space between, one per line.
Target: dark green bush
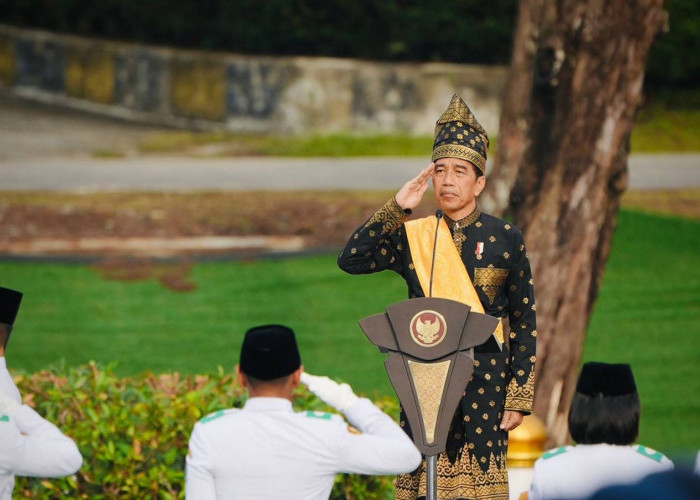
458 31
133 432
461 31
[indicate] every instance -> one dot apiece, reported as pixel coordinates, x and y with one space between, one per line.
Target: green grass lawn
647 315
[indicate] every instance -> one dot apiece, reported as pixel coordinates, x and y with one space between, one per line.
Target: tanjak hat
269 352
9 305
605 380
459 135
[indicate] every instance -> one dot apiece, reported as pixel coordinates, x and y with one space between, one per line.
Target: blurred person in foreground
266 450
604 422
10 301
479 260
29 444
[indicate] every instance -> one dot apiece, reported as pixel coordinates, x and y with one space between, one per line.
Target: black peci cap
606 380
269 352
9 305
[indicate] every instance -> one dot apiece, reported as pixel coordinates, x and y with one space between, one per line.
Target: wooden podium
430 343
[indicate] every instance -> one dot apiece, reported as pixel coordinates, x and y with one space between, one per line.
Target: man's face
456 186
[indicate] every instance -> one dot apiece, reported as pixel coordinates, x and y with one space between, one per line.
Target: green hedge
133 432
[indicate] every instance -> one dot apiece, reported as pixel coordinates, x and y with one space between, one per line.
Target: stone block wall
277 95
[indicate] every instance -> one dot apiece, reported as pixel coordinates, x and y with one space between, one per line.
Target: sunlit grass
647 315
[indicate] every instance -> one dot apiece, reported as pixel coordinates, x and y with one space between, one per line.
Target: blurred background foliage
461 31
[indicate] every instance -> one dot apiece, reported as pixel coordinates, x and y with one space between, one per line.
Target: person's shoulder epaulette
555 452
216 415
649 453
321 415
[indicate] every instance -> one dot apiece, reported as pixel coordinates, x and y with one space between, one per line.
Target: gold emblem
428 328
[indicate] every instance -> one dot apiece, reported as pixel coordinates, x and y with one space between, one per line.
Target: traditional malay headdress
459 135
269 352
9 305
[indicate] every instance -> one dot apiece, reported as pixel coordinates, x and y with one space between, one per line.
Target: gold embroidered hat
459 135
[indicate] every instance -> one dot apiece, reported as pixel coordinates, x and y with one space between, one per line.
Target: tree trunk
574 90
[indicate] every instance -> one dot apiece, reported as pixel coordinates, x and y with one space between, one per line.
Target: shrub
133 432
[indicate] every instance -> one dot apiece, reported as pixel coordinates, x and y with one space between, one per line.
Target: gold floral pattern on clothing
490 280
391 215
498 373
520 397
463 479
457 227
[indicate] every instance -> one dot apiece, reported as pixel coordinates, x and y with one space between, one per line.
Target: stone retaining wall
205 90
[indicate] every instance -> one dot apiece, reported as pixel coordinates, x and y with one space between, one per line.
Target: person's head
459 155
270 364
606 406
9 307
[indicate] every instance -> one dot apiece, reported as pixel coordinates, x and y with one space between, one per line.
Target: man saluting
480 260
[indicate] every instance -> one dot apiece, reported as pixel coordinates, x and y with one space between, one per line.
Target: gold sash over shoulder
450 278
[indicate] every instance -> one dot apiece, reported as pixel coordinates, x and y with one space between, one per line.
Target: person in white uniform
29 444
32 446
604 422
10 301
266 450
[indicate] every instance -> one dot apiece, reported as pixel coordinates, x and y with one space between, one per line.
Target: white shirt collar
268 404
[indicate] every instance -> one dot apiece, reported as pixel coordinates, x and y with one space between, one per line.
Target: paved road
48 148
182 173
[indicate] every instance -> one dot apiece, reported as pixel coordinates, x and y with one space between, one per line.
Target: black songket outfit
493 252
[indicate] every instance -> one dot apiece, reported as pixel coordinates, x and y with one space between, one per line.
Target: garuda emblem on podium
428 328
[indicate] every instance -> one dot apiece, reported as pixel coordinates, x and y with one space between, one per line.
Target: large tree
574 89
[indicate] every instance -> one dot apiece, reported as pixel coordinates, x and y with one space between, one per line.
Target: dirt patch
173 275
321 219
310 220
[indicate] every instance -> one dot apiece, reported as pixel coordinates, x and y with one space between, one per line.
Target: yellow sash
450 277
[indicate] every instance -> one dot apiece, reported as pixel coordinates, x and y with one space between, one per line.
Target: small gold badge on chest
479 249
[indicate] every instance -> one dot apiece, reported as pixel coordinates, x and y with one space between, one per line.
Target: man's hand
339 396
511 419
410 195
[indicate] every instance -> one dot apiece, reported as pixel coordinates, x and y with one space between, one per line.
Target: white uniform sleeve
535 492
40 449
382 448
199 479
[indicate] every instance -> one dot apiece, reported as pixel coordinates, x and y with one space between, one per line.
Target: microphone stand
431 460
438 215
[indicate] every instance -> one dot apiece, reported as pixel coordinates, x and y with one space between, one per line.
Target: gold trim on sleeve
520 397
391 215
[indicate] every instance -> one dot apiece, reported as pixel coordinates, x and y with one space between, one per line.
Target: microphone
438 215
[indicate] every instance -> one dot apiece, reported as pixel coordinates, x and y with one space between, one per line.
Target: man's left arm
523 329
42 450
199 480
382 448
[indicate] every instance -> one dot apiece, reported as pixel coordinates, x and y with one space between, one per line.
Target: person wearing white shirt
604 422
32 446
29 444
10 301
266 450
